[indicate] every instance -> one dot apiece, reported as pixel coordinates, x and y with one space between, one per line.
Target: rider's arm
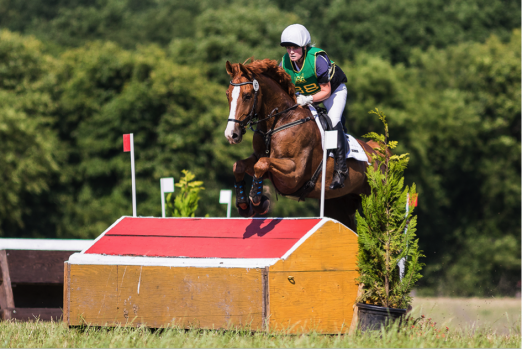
325 92
323 67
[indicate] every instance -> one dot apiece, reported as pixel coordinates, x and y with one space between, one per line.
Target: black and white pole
167 186
128 145
329 142
225 197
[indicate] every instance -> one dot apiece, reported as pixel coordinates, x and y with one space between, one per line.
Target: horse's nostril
235 135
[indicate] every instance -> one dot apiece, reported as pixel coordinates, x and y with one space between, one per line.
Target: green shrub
383 238
186 202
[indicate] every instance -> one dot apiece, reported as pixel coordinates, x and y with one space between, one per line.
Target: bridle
248 121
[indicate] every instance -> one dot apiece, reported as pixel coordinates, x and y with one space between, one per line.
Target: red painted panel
238 228
192 247
201 238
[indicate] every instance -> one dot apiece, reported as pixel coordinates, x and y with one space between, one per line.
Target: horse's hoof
247 212
263 207
256 200
243 206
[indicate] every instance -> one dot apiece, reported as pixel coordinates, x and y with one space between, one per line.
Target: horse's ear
230 70
245 71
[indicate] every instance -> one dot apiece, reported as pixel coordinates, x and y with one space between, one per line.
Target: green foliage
30 152
186 202
216 38
387 230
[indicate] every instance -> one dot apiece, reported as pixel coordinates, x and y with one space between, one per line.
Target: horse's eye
247 96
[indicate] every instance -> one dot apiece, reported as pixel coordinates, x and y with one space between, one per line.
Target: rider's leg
335 105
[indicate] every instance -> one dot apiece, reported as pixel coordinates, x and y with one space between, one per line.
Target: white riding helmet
295 35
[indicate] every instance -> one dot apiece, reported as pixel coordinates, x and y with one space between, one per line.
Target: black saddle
325 120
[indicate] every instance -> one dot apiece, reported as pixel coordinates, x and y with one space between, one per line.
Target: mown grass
420 334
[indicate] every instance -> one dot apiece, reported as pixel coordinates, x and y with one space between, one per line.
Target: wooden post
6 291
65 316
266 300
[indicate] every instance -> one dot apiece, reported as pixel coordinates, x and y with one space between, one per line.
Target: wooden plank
32 266
6 294
192 247
28 314
226 228
332 247
158 296
321 301
92 294
66 271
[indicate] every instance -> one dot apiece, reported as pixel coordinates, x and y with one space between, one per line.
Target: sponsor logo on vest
300 79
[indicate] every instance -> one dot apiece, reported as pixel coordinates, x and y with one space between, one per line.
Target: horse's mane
270 68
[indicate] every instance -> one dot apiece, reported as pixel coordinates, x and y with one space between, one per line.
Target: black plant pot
372 317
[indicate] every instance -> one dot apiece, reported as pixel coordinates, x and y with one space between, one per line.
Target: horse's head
243 100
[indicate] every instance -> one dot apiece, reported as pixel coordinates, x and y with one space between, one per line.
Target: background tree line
76 75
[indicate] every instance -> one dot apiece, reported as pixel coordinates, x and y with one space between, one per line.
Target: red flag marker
413 200
128 145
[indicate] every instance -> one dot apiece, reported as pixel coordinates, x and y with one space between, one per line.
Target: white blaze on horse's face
233 127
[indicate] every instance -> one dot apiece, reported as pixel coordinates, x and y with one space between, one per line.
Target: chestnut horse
263 91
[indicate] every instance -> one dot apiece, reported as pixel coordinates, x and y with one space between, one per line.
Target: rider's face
295 53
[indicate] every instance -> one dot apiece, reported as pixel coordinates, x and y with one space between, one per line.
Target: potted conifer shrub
388 258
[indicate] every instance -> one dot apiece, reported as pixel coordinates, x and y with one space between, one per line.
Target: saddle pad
356 151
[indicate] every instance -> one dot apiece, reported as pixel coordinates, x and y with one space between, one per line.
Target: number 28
307 88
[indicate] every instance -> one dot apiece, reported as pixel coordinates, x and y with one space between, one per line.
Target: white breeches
335 104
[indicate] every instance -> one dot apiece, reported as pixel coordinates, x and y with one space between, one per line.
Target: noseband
252 115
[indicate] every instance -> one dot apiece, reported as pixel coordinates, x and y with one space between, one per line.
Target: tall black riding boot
340 169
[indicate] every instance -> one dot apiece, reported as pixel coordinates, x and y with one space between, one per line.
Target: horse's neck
273 97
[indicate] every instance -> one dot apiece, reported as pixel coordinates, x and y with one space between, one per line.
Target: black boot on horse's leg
242 201
340 169
256 191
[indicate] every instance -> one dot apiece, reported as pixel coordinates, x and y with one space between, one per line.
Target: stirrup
338 183
256 191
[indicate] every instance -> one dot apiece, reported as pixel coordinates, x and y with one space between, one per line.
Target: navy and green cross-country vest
305 80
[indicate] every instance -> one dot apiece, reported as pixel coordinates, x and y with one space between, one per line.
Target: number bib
305 80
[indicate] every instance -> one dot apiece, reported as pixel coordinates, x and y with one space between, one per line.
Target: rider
317 79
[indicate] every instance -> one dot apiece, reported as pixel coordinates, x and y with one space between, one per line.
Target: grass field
497 314
472 323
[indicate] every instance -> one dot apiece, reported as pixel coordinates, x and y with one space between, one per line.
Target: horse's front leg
282 167
240 168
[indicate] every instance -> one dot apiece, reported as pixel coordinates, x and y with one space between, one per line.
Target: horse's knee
262 167
238 167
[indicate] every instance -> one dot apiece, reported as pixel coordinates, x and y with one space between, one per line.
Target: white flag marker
409 202
330 142
225 197
167 186
128 145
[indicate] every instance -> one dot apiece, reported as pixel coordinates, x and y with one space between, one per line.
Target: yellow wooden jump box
265 274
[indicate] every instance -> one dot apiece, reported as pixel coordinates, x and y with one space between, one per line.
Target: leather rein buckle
244 123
